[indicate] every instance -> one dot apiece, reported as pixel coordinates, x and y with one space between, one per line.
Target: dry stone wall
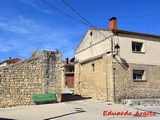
39 74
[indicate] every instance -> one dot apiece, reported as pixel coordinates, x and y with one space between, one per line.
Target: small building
113 64
68 74
9 62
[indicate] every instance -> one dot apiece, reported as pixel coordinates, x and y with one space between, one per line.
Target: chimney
67 60
113 24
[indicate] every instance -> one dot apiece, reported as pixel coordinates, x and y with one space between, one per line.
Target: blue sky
29 25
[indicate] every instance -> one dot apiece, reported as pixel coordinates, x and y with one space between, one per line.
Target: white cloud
23 34
19 25
31 3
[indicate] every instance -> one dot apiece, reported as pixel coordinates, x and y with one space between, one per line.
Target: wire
63 12
87 22
82 17
77 13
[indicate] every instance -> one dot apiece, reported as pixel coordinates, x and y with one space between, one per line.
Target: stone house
113 64
68 74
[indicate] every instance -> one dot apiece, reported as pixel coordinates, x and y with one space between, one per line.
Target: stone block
11 104
4 104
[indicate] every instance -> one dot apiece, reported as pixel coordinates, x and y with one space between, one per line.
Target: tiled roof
128 32
135 33
69 64
11 61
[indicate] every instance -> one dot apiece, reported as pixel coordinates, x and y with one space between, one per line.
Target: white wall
4 64
92 46
95 45
151 53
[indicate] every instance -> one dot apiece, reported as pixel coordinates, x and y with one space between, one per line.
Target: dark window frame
137 46
138 74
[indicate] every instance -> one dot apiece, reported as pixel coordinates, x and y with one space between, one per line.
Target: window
93 67
137 47
138 75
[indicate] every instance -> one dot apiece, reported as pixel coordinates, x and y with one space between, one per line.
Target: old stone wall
127 88
39 74
92 82
113 81
110 79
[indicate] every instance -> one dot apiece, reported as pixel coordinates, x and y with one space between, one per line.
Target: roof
11 61
69 64
92 58
128 32
135 33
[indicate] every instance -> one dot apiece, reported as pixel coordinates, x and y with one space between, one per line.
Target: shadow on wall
123 63
70 97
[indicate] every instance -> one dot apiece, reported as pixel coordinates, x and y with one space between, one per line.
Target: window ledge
138 52
139 80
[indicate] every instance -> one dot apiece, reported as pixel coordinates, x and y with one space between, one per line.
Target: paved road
72 110
148 108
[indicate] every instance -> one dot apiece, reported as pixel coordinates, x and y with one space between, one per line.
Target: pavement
148 108
85 109
67 90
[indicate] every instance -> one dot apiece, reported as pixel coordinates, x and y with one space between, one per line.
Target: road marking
67 111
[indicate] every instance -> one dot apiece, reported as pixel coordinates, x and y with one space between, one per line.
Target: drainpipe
113 69
112 50
79 78
114 91
106 83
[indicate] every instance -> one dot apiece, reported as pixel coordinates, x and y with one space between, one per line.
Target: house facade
68 74
113 64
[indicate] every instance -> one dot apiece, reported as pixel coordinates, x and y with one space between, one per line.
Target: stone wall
39 74
92 83
112 80
127 88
